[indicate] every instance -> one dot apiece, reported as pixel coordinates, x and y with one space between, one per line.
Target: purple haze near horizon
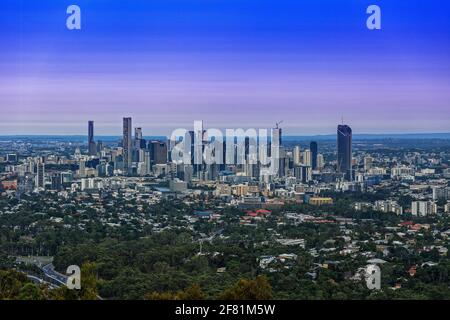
237 70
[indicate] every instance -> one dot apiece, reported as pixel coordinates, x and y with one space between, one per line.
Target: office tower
56 181
246 147
275 151
203 133
99 146
188 172
368 161
224 155
118 162
320 161
127 146
148 163
158 152
92 149
423 208
313 148
31 167
211 172
137 138
109 169
303 173
297 153
189 144
77 154
66 177
344 150
101 169
137 145
307 159
141 154
441 193
12 158
277 135
82 168
40 173
138 133
281 161
140 169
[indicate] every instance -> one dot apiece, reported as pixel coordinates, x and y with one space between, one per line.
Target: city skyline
224 156
229 63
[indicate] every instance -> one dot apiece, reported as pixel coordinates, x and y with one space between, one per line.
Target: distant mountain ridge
408 136
396 136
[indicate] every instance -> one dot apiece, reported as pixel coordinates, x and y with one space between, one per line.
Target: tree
245 289
30 292
193 292
11 282
89 289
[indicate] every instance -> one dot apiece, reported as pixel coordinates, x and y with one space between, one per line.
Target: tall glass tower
127 145
313 148
91 144
344 149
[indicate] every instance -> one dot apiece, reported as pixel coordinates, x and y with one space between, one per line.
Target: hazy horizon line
284 135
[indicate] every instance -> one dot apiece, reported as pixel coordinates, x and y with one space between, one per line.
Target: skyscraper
137 145
90 131
368 161
127 145
320 161
344 149
277 136
275 150
303 173
91 143
297 156
138 133
56 181
40 175
158 152
313 148
82 168
307 159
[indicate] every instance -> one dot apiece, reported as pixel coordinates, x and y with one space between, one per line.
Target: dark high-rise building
40 175
313 148
158 152
138 133
137 144
91 143
99 146
90 131
12 157
196 153
56 181
127 145
344 149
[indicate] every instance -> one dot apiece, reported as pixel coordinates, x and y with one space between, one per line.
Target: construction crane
278 123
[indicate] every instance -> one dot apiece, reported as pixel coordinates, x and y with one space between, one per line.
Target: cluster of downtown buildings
137 156
179 164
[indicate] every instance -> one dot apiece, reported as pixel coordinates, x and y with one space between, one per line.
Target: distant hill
71 138
408 136
81 138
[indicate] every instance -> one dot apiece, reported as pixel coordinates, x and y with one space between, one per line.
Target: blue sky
231 63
